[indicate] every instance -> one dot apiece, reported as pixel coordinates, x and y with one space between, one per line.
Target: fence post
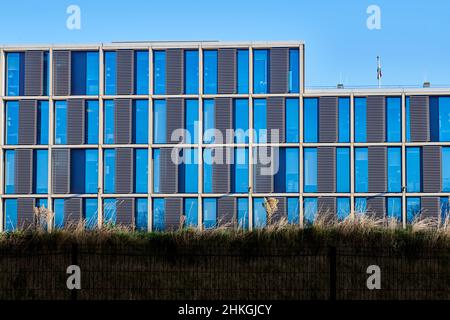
332 264
74 256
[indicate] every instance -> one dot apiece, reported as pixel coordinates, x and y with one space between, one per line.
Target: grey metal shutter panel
376 119
23 171
326 169
431 170
174 117
34 73
124 170
62 73
430 207
61 171
27 121
75 121
223 114
276 118
168 171
281 213
125 211
175 71
123 120
125 71
226 212
226 71
73 212
419 118
262 183
25 212
221 171
326 206
328 119
173 209
376 206
377 169
279 70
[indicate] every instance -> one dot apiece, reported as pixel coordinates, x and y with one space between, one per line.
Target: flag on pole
379 74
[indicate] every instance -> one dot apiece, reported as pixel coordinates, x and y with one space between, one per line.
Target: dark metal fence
214 273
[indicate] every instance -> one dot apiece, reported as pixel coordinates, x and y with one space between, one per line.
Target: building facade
161 134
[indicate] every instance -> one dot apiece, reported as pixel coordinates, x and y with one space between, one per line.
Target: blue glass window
91 171
109 211
156 173
191 71
241 170
210 71
141 121
240 120
413 208
108 134
12 122
260 120
159 121
208 121
41 203
242 213
343 208
141 170
191 212
92 121
259 213
242 71
445 209
292 164
360 119
91 213
311 120
413 169
110 73
394 208
61 122
142 214
141 74
10 214
360 205
433 113
310 169
292 130
294 71
393 119
41 171
42 115
361 170
260 71
45 77
189 171
58 209
9 171
209 213
159 77
207 170
309 210
84 72
14 73
192 121
109 171
394 169
293 210
158 214
344 119
342 169
445 169
444 118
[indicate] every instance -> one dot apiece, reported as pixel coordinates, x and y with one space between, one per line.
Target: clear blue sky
413 42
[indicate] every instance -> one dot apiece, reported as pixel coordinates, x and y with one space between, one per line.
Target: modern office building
157 134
